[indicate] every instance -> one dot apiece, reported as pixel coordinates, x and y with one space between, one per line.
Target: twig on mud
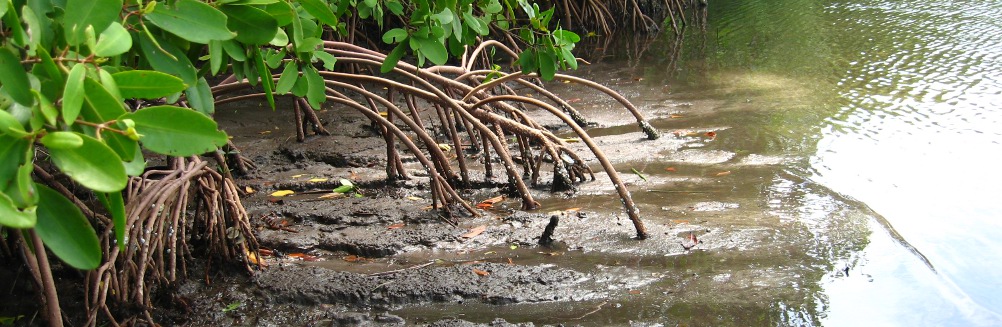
598 307
447 220
429 263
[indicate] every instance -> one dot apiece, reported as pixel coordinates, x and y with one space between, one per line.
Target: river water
888 109
851 179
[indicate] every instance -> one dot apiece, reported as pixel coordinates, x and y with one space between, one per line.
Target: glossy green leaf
147 84
528 60
281 39
173 61
62 140
433 50
12 150
73 94
93 165
568 58
177 131
104 76
17 34
316 92
267 82
66 231
9 124
192 20
34 25
48 110
11 216
547 65
235 50
115 204
100 106
319 10
327 58
82 13
395 35
281 11
253 26
136 166
288 78
15 79
393 58
215 56
200 97
115 40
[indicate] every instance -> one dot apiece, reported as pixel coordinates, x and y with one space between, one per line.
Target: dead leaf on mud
297 176
414 198
474 231
574 99
635 292
249 190
723 173
489 203
679 221
550 253
317 180
264 132
304 256
480 272
711 135
675 116
281 193
572 210
353 258
395 226
253 258
671 169
332 196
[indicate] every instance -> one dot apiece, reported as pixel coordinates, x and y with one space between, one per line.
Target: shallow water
892 103
852 180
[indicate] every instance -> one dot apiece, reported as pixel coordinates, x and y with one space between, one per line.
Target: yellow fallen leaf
474 231
297 176
724 173
414 198
383 113
332 196
249 190
264 132
282 193
317 180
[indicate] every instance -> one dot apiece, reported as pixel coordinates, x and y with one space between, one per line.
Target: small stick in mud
547 237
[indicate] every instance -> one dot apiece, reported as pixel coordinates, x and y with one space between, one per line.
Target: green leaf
475 24
316 92
73 94
215 56
65 230
177 131
9 124
17 34
93 164
173 61
82 13
200 97
565 37
115 40
326 58
433 50
444 17
116 206
11 216
15 78
253 26
547 65
320 10
62 140
109 83
267 82
46 107
569 58
395 35
136 166
100 107
235 50
191 20
34 25
528 60
147 84
12 150
281 11
288 78
281 39
393 58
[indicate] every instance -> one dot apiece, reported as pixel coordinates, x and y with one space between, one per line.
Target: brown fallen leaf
711 135
480 272
332 196
353 258
675 116
635 292
723 173
671 169
253 258
489 203
395 226
573 209
266 252
303 256
474 231
574 100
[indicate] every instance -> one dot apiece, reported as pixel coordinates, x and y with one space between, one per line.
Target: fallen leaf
513 246
249 190
282 193
253 258
317 180
635 171
474 231
676 116
489 203
383 113
573 209
638 79
574 99
489 252
414 198
304 256
723 173
692 238
264 132
353 258
480 272
635 292
679 221
711 134
571 140
395 226
266 252
671 169
332 196
232 306
297 176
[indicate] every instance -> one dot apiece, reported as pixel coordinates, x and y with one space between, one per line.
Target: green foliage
67 68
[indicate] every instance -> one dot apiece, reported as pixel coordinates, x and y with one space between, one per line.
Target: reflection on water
892 103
